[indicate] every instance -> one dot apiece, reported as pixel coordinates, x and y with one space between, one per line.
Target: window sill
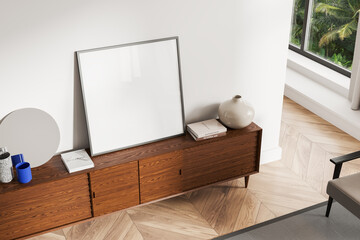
305 84
319 73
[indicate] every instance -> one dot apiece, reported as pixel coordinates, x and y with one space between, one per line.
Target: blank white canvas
132 94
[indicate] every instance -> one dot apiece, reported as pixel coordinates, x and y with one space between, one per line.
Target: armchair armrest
338 161
345 158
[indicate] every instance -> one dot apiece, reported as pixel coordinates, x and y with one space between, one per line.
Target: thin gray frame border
126 45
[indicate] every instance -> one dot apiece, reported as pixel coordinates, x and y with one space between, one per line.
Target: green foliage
340 60
327 9
333 26
333 30
297 22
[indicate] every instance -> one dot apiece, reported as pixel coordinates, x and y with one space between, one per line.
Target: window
325 31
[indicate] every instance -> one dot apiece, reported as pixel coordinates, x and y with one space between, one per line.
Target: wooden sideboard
123 179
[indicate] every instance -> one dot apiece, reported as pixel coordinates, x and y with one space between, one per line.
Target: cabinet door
160 176
114 188
44 206
220 160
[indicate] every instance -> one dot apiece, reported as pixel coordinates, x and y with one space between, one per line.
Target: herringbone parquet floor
308 142
297 181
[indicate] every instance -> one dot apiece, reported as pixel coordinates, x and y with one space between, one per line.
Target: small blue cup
23 172
19 158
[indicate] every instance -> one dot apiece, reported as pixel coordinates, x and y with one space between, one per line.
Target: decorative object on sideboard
77 160
18 158
206 129
32 132
6 169
23 172
236 113
132 94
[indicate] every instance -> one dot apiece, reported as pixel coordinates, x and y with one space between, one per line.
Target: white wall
227 47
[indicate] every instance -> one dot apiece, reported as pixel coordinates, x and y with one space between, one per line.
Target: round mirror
32 132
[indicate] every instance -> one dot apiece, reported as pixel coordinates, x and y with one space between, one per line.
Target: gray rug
309 223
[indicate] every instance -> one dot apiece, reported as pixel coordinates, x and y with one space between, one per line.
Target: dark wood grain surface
114 188
160 176
37 208
199 165
55 169
215 162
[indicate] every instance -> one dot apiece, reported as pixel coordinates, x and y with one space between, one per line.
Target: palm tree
297 21
342 19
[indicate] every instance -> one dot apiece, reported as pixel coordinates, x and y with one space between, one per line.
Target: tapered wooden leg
329 206
247 181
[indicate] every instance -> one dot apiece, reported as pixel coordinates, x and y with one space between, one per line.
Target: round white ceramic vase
236 113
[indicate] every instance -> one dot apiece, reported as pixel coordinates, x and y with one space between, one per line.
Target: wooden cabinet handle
93 194
180 172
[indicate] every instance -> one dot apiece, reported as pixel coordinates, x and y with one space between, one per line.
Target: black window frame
310 55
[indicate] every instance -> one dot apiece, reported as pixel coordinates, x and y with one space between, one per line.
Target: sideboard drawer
114 188
44 206
160 176
218 161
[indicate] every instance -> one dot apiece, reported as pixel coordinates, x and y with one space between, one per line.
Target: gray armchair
345 190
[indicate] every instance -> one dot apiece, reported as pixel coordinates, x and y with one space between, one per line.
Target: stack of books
206 129
77 160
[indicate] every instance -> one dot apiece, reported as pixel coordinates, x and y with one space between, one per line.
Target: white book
206 128
77 160
207 137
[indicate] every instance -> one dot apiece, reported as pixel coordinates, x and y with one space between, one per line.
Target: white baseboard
270 155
